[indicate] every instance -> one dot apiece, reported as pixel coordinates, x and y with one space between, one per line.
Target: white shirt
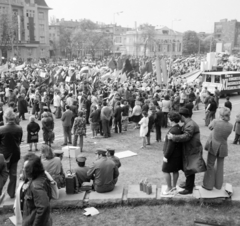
56 101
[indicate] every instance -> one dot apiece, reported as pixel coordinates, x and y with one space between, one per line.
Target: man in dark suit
67 125
191 145
158 124
10 140
118 118
3 173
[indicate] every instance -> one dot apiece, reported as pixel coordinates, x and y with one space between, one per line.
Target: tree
65 41
89 37
147 34
190 42
8 32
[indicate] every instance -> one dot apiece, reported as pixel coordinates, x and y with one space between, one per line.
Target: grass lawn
147 164
165 215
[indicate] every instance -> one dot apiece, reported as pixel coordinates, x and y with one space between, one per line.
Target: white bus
226 81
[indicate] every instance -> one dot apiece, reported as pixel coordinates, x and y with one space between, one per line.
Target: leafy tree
147 34
8 32
65 41
86 25
190 42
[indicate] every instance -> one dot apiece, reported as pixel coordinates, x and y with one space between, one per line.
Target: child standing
236 128
144 127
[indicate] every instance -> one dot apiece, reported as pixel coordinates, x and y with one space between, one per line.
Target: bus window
208 78
216 79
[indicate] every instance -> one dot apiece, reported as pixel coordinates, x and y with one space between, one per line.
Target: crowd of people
129 94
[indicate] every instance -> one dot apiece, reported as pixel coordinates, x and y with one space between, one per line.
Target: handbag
60 179
54 187
194 163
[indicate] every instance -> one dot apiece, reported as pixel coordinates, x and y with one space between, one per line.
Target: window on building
160 48
208 78
118 39
42 39
179 47
41 16
30 51
217 79
165 32
168 48
41 28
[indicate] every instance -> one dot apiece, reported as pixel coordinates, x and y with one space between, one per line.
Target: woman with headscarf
217 149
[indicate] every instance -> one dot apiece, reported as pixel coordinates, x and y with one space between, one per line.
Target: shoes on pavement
206 188
64 145
185 192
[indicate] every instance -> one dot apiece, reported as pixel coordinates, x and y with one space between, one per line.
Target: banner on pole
158 70
164 71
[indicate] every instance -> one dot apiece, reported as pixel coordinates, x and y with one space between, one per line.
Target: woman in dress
172 154
136 113
79 130
32 133
217 149
144 128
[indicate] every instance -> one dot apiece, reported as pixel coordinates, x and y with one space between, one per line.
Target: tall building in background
227 32
26 23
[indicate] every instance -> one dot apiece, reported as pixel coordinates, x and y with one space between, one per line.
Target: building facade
28 23
228 33
162 41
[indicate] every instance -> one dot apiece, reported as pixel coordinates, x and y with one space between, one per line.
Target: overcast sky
197 15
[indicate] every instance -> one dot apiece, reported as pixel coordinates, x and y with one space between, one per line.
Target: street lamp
116 13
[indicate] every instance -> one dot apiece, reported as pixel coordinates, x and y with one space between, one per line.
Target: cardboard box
73 151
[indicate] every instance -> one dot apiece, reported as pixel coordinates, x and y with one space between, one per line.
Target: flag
52 78
158 71
25 84
4 68
73 77
164 71
123 78
45 81
12 84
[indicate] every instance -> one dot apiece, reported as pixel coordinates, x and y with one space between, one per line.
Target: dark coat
118 113
10 140
3 172
104 173
36 208
192 147
173 149
159 118
22 105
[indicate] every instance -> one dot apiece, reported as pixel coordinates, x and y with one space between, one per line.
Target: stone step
113 197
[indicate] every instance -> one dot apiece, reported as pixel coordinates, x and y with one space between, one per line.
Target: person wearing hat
191 146
110 154
81 170
103 172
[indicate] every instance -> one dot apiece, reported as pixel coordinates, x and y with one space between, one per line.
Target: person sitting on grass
52 165
81 170
172 154
103 172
